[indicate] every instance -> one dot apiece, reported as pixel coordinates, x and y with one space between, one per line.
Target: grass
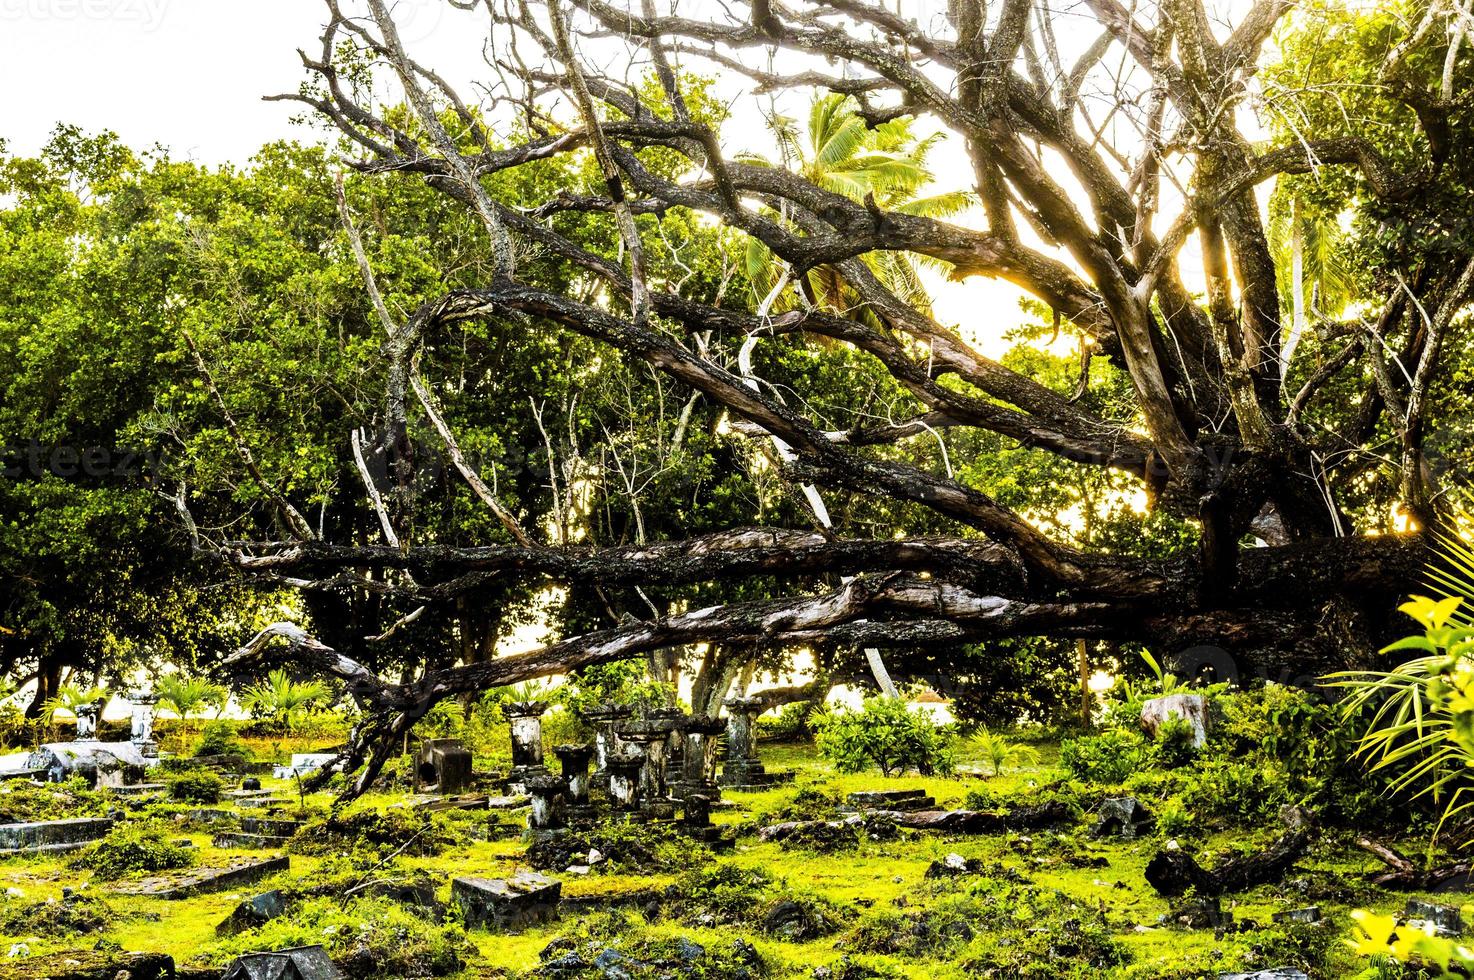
877 876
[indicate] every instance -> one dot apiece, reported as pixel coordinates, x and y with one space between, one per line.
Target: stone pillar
743 767
546 791
603 720
624 782
87 722
647 742
698 762
143 723
574 760
696 819
526 721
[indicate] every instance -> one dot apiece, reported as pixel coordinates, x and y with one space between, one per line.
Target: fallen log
1407 876
1174 872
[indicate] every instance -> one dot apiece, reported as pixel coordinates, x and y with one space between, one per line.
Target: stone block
504 904
253 912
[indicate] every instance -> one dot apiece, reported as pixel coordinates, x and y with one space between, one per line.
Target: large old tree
1110 149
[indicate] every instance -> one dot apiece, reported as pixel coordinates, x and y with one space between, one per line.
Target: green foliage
365 936
75 915
398 829
70 697
282 700
1398 951
187 695
22 801
222 738
1000 752
135 847
1174 819
1107 758
1175 743
196 786
885 734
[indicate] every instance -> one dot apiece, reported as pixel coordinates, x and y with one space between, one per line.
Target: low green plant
1001 752
364 936
1107 758
1173 818
1175 745
222 738
391 831
887 735
196 786
1420 717
1388 946
132 848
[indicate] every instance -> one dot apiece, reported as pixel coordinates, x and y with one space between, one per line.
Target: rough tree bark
1220 440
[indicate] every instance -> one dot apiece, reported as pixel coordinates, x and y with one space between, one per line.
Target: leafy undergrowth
1052 903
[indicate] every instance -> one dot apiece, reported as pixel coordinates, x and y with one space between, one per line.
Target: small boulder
1191 708
1121 816
1446 920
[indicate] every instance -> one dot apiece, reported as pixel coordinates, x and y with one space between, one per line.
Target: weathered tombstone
300 963
604 719
624 781
696 818
647 741
698 762
87 715
304 763
52 836
443 766
501 904
144 703
574 762
253 912
546 813
743 769
1191 708
100 763
526 721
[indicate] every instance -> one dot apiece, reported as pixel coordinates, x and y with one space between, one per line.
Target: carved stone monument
743 768
526 720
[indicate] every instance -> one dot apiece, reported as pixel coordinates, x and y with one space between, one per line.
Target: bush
56 917
133 848
221 738
1175 745
366 937
197 786
1107 759
887 735
22 802
386 831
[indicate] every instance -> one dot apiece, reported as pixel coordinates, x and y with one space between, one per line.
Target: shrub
1000 752
21 802
366 937
56 917
221 738
887 735
197 786
382 831
132 848
1175 745
1108 758
1173 818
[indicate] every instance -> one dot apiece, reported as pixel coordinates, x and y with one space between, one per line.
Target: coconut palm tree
187 695
841 153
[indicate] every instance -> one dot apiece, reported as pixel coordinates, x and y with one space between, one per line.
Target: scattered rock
90 964
891 799
1172 871
954 865
1310 915
1276 973
796 921
253 912
1297 817
1122 816
299 963
1446 920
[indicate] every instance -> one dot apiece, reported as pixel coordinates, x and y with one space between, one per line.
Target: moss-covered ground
1055 903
